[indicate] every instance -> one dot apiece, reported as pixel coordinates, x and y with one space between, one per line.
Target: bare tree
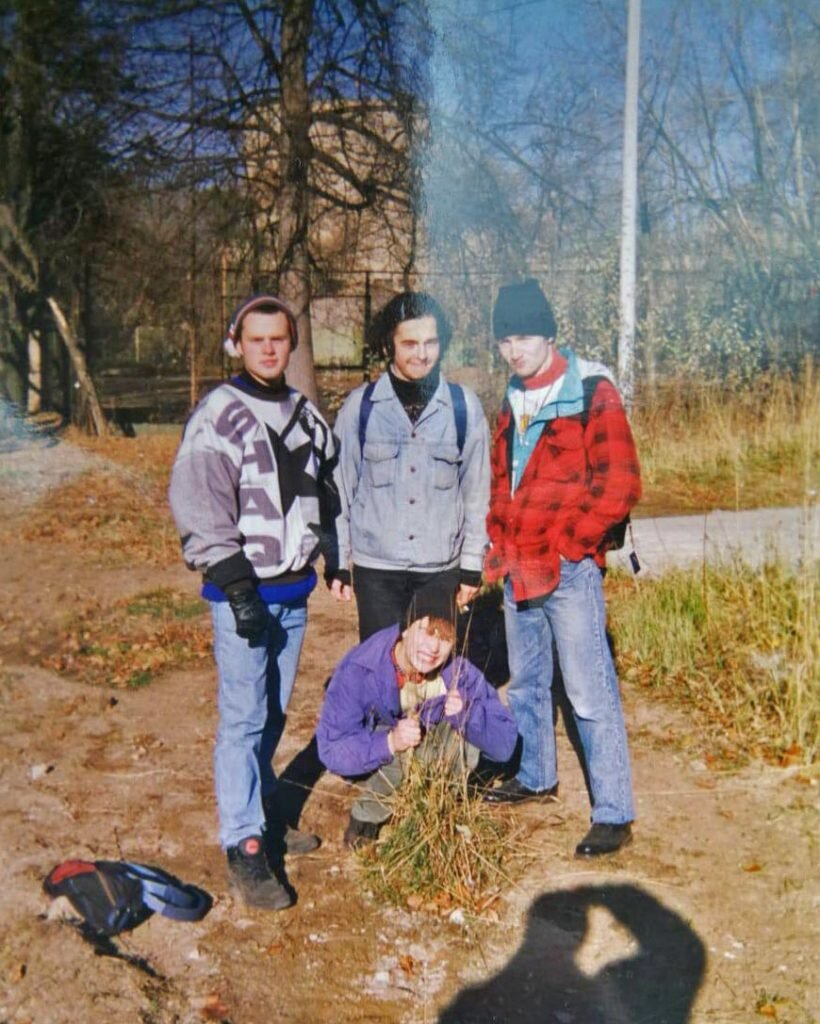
59 83
735 132
307 110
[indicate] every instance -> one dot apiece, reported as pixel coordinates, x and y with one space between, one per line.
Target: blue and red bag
116 896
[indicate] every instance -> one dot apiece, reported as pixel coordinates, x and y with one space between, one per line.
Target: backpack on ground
116 896
459 413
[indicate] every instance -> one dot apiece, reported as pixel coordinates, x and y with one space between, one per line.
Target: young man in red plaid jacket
564 475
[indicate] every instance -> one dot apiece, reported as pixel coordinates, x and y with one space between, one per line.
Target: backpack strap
365 410
300 404
615 537
459 412
167 895
589 385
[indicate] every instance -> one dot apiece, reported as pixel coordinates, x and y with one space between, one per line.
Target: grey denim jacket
409 499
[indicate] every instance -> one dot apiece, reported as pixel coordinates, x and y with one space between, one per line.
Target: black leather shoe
603 839
513 792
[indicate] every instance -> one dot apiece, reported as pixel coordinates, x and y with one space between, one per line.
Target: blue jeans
574 618
255 684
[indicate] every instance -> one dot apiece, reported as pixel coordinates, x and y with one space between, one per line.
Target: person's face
265 345
416 348
527 355
425 646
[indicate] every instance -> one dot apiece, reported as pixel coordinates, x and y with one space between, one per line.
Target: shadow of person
297 780
608 954
480 636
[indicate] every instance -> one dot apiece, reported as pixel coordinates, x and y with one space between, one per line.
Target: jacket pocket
380 463
445 468
565 434
564 458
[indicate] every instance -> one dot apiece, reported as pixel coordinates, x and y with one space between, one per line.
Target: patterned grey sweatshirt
251 488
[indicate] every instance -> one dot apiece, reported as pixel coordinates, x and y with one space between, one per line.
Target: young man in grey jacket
252 495
413 474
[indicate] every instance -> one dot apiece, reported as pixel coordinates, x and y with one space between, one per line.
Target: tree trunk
294 200
78 361
34 402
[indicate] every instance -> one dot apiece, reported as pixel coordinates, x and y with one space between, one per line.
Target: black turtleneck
415 395
273 390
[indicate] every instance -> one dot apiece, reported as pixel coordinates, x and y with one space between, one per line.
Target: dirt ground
711 915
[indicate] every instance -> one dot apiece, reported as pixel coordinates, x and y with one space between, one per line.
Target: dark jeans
383 595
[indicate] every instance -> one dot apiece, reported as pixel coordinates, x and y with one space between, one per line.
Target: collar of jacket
276 391
570 398
403 677
383 391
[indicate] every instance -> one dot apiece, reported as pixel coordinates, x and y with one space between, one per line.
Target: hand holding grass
404 735
454 704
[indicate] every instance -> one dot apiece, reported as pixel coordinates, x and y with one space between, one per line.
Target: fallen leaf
792 755
275 948
212 1007
408 963
752 866
767 1010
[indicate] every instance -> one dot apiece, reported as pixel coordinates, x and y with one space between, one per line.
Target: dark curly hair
407 306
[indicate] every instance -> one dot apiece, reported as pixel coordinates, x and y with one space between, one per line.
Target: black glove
249 610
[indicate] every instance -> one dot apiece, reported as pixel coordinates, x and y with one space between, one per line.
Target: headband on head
248 306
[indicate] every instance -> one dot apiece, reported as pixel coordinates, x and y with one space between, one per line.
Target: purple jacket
362 704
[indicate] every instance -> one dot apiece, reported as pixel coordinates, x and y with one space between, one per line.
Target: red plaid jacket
580 480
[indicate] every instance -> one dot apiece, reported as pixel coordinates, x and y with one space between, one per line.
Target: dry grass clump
445 851
703 445
738 646
129 643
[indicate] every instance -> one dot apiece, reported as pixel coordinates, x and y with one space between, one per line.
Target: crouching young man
399 691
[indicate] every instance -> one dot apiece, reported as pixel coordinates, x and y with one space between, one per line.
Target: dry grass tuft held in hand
445 851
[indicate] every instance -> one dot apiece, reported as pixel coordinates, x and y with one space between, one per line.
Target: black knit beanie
523 309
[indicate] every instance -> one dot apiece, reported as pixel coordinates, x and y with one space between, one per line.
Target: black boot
252 877
602 839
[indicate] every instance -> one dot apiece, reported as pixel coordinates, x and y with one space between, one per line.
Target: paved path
793 533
